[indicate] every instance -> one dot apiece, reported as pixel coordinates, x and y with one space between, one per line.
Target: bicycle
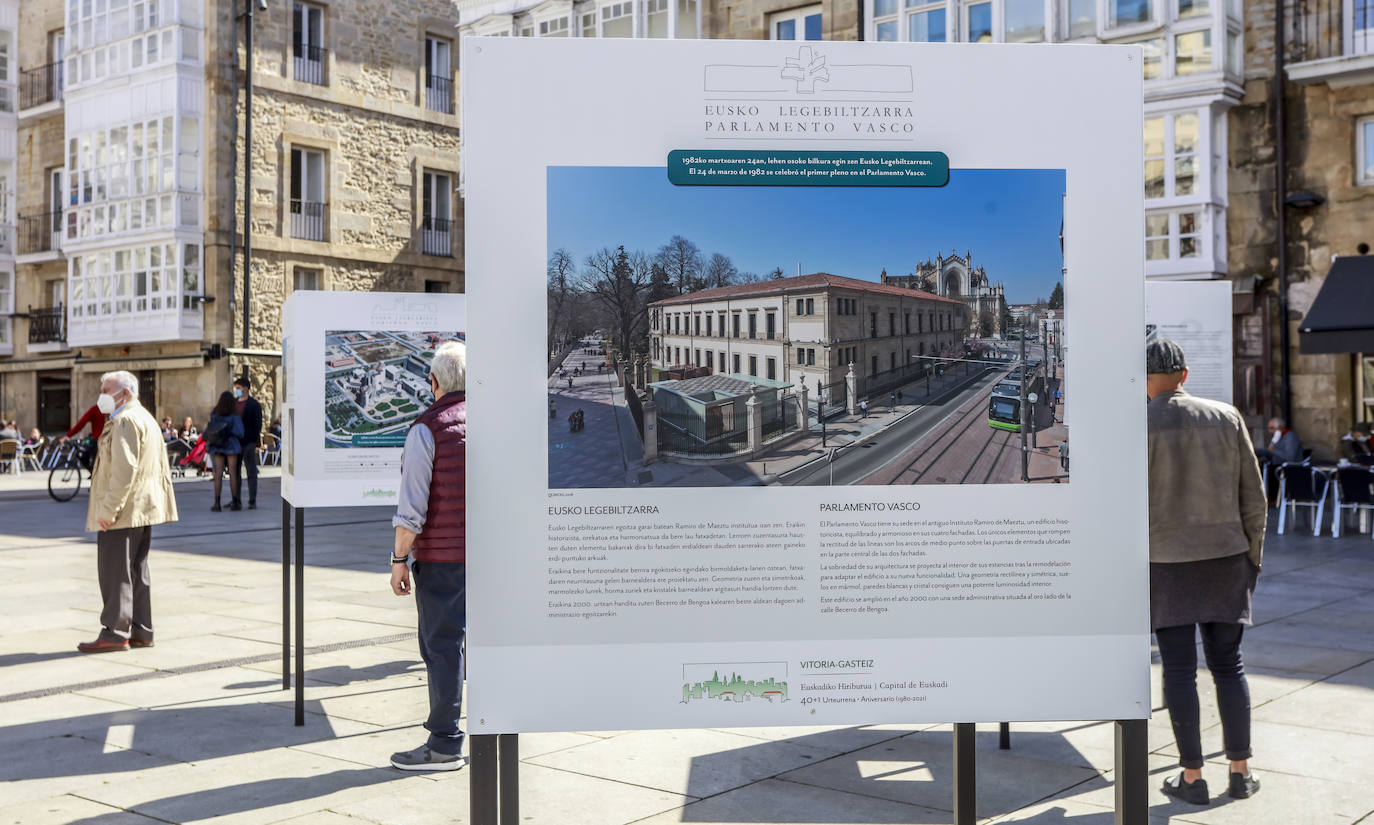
71 465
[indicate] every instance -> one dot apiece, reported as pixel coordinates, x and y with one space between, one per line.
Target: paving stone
918 770
70 764
547 797
774 800
828 738
68 810
387 706
1071 812
696 763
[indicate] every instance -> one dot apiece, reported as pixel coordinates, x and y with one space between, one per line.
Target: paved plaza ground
198 729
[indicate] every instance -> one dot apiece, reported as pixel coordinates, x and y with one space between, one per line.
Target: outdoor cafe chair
177 449
1354 493
28 455
1302 485
9 456
269 451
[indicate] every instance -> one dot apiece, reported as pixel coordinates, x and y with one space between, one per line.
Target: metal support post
1132 772
1004 736
508 777
285 594
483 780
1025 418
965 775
300 616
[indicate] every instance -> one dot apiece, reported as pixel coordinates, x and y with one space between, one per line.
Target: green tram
1004 405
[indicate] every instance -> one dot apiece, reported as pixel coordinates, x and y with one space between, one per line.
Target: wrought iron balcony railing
1330 28
40 233
47 325
40 85
439 94
309 63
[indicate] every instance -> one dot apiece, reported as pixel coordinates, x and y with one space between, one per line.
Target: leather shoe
102 646
140 643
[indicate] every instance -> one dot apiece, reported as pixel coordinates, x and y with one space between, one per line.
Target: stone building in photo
806 330
122 134
956 277
667 19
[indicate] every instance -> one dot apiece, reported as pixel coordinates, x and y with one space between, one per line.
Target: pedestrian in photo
249 411
553 409
431 525
863 408
189 433
131 491
1207 514
223 439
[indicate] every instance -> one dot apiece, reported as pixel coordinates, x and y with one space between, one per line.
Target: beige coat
131 485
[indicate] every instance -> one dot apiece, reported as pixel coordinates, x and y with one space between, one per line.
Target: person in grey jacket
1207 515
1284 445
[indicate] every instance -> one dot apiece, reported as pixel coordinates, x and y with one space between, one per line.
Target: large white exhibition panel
688 606
1196 314
356 375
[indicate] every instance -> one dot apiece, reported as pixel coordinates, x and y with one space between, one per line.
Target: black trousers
1178 654
248 463
441 601
122 568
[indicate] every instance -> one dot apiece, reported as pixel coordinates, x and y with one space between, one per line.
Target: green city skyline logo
735 688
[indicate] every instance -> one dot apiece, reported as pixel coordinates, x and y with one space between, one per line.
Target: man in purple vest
430 527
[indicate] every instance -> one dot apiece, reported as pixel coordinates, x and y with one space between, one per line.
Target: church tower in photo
956 277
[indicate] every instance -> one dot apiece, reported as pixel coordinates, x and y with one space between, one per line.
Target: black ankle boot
216 508
235 505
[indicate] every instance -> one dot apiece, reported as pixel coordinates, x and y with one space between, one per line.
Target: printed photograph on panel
375 384
715 336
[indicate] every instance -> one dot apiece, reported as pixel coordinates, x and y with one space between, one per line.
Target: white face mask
106 403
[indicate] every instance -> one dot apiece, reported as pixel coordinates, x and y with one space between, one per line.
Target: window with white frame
588 24
307 43
978 22
6 71
111 37
687 27
1364 151
6 309
125 177
525 28
617 19
1080 19
1171 155
307 194
1192 52
804 23
1023 21
656 18
885 25
438 74
306 279
141 279
926 23
436 222
1121 13
1175 235
554 27
1361 27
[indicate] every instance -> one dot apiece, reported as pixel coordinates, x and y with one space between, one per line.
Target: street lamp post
820 412
247 14
1025 418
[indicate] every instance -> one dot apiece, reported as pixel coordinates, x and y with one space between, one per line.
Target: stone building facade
1329 96
806 330
682 19
957 277
122 135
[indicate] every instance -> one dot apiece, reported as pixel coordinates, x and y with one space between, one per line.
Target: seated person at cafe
1356 444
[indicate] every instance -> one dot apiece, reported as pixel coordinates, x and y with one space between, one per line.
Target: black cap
1164 356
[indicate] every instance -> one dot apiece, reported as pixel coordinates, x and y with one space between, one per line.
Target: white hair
123 379
450 366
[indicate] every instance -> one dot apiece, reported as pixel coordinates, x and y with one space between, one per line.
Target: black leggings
1178 653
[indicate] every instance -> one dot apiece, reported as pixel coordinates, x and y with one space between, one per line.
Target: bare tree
720 271
617 282
561 271
748 278
681 259
776 274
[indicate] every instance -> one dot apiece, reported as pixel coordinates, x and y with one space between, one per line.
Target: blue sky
1008 218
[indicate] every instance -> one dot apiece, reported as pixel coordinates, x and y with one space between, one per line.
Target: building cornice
1336 72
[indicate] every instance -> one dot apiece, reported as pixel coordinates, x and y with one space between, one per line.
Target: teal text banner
762 167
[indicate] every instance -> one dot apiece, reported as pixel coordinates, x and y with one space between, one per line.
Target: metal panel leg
965 775
300 616
483 805
285 595
508 757
1004 736
1132 773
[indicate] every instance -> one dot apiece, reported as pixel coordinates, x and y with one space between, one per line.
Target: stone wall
370 121
1320 148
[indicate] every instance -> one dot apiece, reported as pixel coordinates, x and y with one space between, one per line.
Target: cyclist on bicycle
96 419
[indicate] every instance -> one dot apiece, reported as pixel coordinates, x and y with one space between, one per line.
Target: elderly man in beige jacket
131 490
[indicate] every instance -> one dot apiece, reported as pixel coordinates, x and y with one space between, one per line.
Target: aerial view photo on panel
376 384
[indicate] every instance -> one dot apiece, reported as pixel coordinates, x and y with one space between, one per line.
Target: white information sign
1196 314
357 376
753 230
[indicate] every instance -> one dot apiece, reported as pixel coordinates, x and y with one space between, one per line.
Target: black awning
1342 316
